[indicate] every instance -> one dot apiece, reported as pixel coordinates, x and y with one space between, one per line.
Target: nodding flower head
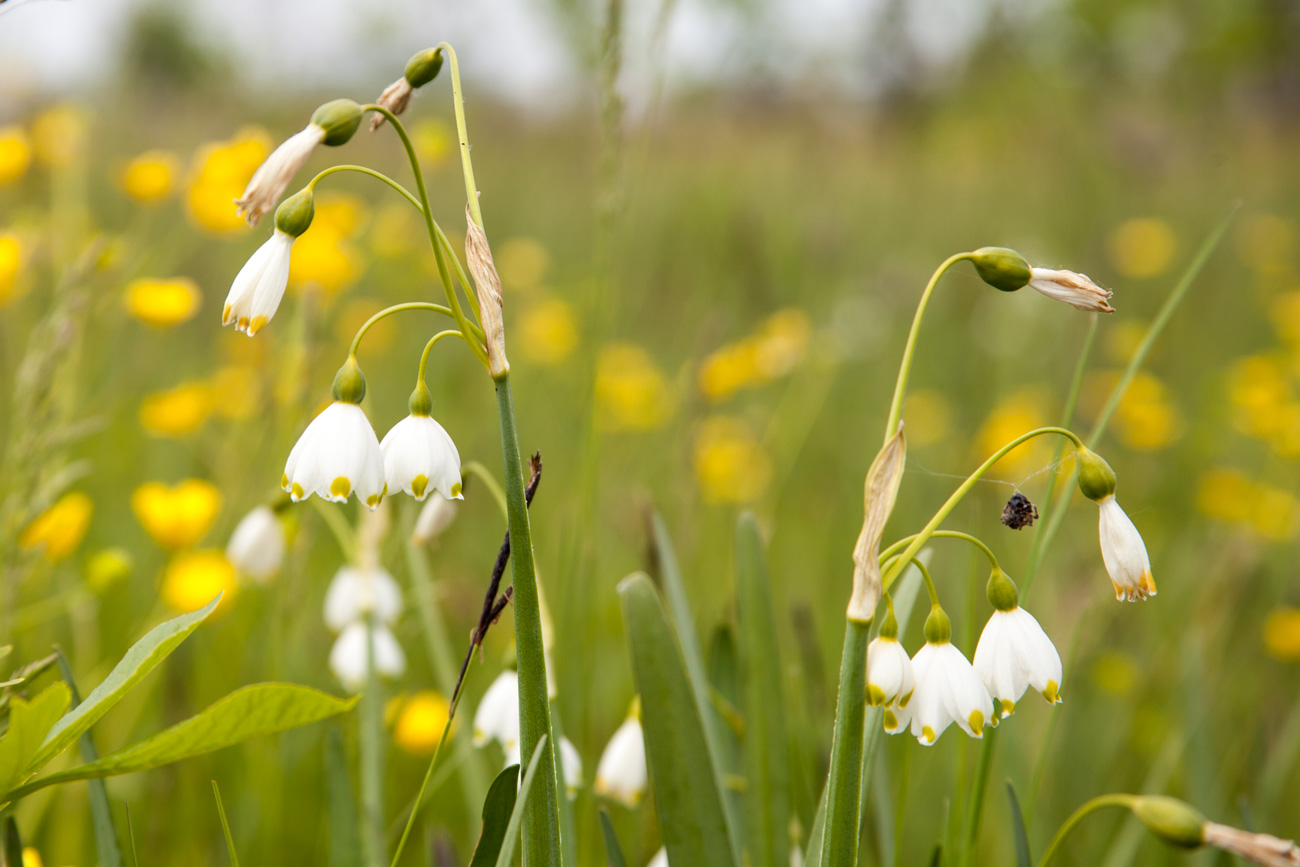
420 457
947 690
255 295
621 774
420 70
1124 553
256 548
354 593
337 454
1014 652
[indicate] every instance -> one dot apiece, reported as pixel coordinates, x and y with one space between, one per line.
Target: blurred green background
708 285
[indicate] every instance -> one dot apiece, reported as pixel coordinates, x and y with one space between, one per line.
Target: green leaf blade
498 806
507 853
29 723
613 851
1023 857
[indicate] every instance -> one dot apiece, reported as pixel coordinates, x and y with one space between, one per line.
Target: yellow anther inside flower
177 411
163 303
59 529
15 154
176 517
151 177
11 262
420 723
418 484
976 720
730 463
193 578
340 487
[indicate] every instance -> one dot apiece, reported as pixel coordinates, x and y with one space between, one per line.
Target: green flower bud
1173 821
339 118
421 402
889 626
938 628
424 67
350 382
1096 478
1001 268
295 213
1002 591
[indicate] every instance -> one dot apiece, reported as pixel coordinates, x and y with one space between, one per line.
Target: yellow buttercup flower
11 264
59 135
1275 514
1146 418
1017 413
1282 633
59 529
1142 247
548 333
396 231
176 517
522 263
151 177
631 393
1259 389
1266 243
193 578
107 568
323 257
340 213
1123 338
220 172
1285 313
1225 495
928 417
236 392
177 411
433 140
782 343
163 303
730 464
729 369
420 722
15 154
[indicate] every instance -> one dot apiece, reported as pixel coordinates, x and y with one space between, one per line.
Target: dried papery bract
1258 848
420 70
487 286
880 492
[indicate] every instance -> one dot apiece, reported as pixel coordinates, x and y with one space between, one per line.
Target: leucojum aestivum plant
680 740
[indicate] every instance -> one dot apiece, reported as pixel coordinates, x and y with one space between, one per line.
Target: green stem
902 543
311 185
541 829
372 756
424 356
458 103
460 269
976 806
905 369
339 526
474 468
844 788
1098 803
400 308
424 785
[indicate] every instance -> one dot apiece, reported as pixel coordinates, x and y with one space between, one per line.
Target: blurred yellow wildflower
1017 413
322 257
340 213
219 172
354 314
32 858
1146 418
193 578
1259 391
782 342
928 417
1266 243
59 529
1285 313
548 332
1123 339
396 230
730 464
163 303
729 369
1115 673
236 392
420 722
15 154
107 567
151 177
177 411
433 140
523 263
58 135
1142 247
631 393
11 263
1275 514
1282 633
178 516
1225 495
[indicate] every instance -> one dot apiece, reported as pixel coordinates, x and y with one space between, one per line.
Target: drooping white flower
434 518
354 593
1072 288
947 691
352 649
497 716
256 548
336 455
660 859
889 673
272 177
1013 654
255 295
419 457
1124 553
621 774
572 763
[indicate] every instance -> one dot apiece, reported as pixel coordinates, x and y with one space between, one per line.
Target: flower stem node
295 213
424 67
421 402
350 382
1002 268
1173 821
339 119
1002 592
1096 478
938 628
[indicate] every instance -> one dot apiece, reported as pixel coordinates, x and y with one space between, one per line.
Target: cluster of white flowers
361 605
497 719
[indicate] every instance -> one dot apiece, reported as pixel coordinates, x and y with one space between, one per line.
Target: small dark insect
1019 512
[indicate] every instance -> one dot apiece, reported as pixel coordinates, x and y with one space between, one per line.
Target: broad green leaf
767 762
246 713
506 856
497 808
225 826
685 785
1023 858
344 835
107 848
613 851
138 661
29 722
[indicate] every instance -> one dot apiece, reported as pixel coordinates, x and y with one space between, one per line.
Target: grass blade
613 851
498 807
225 826
507 854
108 849
1023 857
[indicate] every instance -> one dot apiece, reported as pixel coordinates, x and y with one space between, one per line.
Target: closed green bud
339 118
889 626
1002 591
424 67
938 628
1173 821
1096 478
295 213
1002 268
350 382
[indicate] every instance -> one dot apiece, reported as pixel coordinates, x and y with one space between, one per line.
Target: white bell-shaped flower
1071 288
354 593
889 673
947 689
1124 553
256 548
255 295
434 518
1013 654
272 177
420 457
497 716
337 454
660 859
621 774
572 763
352 649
